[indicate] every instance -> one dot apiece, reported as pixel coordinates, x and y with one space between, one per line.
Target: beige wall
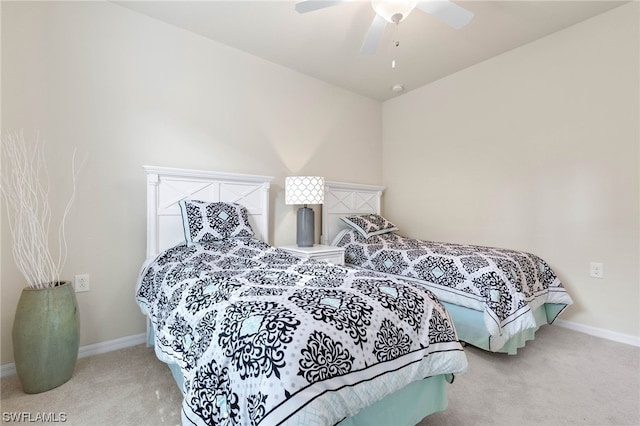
127 90
536 149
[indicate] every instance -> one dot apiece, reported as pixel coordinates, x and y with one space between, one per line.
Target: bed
497 298
256 336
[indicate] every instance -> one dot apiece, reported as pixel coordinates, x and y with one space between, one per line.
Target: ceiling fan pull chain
396 41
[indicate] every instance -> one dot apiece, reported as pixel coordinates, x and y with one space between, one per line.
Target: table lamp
304 190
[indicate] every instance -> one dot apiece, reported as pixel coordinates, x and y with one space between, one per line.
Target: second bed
497 298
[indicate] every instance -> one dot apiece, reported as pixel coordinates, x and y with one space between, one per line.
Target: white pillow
369 224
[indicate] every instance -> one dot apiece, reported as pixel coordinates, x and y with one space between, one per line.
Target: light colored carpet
562 378
125 387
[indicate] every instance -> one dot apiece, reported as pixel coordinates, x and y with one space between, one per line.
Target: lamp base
305 227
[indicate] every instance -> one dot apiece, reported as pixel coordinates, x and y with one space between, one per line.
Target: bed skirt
470 326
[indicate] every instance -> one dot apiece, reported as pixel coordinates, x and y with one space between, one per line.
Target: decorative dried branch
25 187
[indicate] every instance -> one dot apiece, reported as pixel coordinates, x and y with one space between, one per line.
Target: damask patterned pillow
369 224
205 221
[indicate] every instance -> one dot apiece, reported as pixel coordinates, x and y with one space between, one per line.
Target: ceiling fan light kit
393 11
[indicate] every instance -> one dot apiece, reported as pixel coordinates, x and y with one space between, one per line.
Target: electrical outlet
81 283
596 269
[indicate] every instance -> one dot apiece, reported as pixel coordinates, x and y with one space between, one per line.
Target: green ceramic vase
46 337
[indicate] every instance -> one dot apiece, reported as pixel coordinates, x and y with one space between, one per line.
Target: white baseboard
599 332
90 350
7 370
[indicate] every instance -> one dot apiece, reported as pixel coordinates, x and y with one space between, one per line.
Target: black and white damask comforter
507 285
265 338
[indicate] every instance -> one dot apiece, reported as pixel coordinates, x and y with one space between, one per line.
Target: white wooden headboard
344 199
167 186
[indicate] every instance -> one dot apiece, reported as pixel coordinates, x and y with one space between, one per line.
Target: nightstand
329 254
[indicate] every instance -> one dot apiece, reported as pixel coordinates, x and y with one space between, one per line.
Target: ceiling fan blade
447 12
372 39
304 6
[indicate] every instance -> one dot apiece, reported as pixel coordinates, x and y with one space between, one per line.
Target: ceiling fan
395 11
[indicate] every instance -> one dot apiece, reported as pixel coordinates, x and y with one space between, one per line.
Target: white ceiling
325 43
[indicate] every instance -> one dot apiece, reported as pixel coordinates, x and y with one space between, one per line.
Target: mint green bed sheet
407 407
470 327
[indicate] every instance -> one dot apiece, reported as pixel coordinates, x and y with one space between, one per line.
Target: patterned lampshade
304 190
